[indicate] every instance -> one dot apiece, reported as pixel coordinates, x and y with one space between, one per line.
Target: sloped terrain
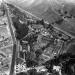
51 11
42 48
50 16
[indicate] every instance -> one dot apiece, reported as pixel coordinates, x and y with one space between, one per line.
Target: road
13 38
22 10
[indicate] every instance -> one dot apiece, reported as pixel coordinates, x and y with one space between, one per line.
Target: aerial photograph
37 37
